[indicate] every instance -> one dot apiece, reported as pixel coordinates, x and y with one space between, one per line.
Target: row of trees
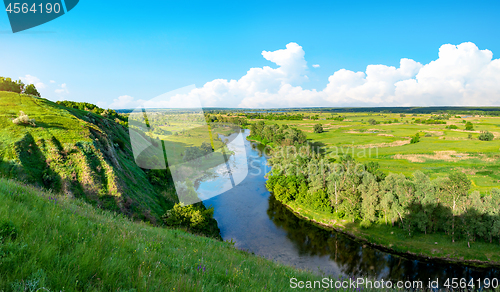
7 84
361 192
276 134
275 116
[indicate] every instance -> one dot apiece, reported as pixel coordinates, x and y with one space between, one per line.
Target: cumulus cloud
461 75
315 65
63 89
29 79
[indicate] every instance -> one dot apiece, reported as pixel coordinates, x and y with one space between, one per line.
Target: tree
457 186
318 128
469 126
415 139
486 136
31 90
372 122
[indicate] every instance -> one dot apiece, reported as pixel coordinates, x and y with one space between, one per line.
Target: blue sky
105 49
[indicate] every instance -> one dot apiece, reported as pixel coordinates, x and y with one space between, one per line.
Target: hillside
53 243
79 153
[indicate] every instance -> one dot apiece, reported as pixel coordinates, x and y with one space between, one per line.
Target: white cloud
52 81
461 75
29 79
124 101
315 65
63 89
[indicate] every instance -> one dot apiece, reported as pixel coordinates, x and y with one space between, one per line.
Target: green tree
457 186
469 126
486 136
318 128
31 90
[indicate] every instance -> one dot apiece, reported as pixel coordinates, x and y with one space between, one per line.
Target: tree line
7 84
362 193
277 135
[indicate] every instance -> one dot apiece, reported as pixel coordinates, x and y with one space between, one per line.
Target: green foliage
318 128
279 135
195 217
469 126
31 90
486 136
429 121
452 127
415 139
6 84
372 122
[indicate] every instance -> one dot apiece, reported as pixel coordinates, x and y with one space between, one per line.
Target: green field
62 244
439 151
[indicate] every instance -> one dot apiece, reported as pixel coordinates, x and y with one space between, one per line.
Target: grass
356 133
65 244
75 152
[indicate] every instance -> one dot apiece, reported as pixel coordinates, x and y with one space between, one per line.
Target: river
250 216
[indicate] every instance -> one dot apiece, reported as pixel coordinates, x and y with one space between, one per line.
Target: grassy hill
79 153
53 243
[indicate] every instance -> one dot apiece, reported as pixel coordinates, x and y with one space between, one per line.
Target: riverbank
430 247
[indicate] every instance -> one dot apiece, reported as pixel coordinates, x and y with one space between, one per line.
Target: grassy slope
73 151
68 245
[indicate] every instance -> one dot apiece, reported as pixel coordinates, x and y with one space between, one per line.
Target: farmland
387 141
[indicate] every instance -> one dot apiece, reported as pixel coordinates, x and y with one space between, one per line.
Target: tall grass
68 245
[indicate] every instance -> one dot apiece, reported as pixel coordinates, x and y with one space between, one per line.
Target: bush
318 128
452 127
469 126
486 136
372 122
415 139
23 119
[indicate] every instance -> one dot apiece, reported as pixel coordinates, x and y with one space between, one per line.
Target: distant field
439 151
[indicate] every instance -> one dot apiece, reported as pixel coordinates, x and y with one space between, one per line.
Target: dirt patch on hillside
448 155
386 135
382 145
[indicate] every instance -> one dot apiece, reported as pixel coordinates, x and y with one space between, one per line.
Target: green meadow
439 151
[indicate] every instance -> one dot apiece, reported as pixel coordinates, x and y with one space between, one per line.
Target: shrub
23 119
486 136
415 139
318 128
469 126
372 122
451 127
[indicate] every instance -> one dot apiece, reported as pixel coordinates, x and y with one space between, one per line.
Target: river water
250 216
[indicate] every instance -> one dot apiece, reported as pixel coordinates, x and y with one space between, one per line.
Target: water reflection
358 259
